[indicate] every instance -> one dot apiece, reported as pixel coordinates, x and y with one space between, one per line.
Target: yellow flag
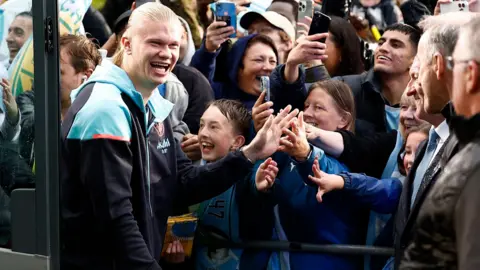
21 69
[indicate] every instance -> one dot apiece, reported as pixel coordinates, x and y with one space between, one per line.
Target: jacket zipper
148 163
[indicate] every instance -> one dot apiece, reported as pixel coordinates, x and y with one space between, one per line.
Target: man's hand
325 182
191 147
175 252
261 111
217 34
266 174
9 101
308 48
295 144
267 140
312 132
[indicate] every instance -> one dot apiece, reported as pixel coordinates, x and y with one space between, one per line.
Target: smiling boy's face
216 135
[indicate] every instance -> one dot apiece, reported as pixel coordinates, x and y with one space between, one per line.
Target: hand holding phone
226 12
265 87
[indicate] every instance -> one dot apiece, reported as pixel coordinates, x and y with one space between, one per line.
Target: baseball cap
121 22
272 17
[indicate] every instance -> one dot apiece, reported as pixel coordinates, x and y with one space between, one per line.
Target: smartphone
265 87
225 11
454 6
320 24
305 9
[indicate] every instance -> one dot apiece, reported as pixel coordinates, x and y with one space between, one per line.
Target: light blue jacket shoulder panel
104 116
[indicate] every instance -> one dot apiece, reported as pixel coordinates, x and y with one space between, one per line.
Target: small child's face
216 135
413 140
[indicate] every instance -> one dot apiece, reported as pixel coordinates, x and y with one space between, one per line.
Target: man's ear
472 74
88 72
438 65
127 44
134 5
238 142
289 46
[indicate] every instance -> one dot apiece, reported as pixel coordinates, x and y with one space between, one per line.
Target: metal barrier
214 240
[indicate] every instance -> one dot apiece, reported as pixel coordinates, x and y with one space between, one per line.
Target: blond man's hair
152 11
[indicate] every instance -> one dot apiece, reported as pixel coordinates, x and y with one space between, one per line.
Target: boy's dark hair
413 32
236 113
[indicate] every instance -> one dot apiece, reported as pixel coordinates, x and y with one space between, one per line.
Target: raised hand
325 182
9 101
308 48
217 34
295 142
175 252
267 140
266 174
191 147
312 132
261 111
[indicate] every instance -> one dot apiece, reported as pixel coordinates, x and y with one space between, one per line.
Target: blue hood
109 73
234 61
235 57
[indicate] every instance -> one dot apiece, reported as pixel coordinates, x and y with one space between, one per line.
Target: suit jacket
405 217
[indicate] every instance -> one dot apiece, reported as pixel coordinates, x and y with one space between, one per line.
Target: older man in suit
434 92
447 225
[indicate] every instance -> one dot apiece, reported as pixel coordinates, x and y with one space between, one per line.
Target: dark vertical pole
47 122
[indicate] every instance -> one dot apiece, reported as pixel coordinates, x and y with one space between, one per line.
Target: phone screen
320 24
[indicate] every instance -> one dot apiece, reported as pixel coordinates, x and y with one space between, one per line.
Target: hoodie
228 88
121 173
190 44
174 91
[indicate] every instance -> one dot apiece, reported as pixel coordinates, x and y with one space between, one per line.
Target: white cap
274 18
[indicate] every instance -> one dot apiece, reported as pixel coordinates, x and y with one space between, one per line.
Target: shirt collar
160 107
443 131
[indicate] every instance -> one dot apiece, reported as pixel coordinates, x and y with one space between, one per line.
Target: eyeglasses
451 62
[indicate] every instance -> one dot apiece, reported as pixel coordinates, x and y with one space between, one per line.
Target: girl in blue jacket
342 216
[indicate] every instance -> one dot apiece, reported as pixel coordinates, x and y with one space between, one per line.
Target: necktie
424 164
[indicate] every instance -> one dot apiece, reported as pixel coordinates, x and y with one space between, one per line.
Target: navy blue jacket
228 88
340 219
122 171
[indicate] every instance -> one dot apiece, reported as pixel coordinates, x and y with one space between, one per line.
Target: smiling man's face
394 54
18 33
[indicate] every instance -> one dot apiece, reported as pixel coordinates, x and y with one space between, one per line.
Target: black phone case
320 24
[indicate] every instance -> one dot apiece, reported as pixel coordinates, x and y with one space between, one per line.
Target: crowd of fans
375 139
